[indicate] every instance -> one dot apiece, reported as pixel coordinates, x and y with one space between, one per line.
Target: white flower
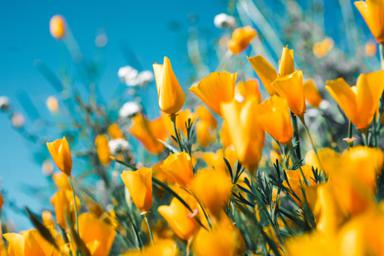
4 103
128 75
128 109
118 145
145 77
224 20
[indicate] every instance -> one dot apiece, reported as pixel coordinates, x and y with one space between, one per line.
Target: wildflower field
273 146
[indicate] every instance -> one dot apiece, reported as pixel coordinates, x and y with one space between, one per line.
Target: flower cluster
237 166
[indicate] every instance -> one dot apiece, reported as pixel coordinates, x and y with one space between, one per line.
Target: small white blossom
224 20
4 103
118 145
129 109
128 75
145 77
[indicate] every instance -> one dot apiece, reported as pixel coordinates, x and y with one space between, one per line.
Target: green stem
381 54
296 134
74 203
173 119
312 142
148 226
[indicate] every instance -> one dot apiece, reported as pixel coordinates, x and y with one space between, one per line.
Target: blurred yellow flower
215 89
274 118
179 218
58 27
291 88
161 247
115 132
246 89
241 38
64 206
177 167
102 149
139 185
205 126
322 48
244 130
170 93
61 154
96 234
149 132
52 104
61 181
217 194
359 102
311 93
373 14
224 239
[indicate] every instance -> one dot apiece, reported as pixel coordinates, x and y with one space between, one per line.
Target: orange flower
241 38
322 48
215 89
312 94
244 130
102 149
139 185
205 126
57 27
246 89
171 95
359 102
148 132
291 88
274 118
373 14
61 154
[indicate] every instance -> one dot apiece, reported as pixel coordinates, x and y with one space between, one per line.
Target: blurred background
138 33
150 29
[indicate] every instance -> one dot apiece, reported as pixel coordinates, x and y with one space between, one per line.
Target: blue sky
143 25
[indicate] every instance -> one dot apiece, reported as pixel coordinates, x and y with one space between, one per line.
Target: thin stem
296 134
148 226
74 203
381 54
173 119
312 142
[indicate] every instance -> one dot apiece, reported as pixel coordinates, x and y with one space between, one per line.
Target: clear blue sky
143 25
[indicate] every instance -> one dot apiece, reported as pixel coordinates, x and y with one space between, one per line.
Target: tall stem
148 226
173 119
74 203
297 137
312 142
381 54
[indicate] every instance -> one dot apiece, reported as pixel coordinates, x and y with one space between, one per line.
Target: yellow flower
57 27
217 194
291 88
241 38
244 130
322 48
171 95
115 132
28 243
96 234
224 239
274 118
215 89
102 149
312 94
64 206
139 185
312 244
205 127
373 14
52 104
61 154
179 218
267 73
181 119
61 181
359 102
149 132
370 49
177 167
246 89
161 247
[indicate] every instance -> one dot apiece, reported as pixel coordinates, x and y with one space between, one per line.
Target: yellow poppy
373 14
61 154
102 149
241 38
170 93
